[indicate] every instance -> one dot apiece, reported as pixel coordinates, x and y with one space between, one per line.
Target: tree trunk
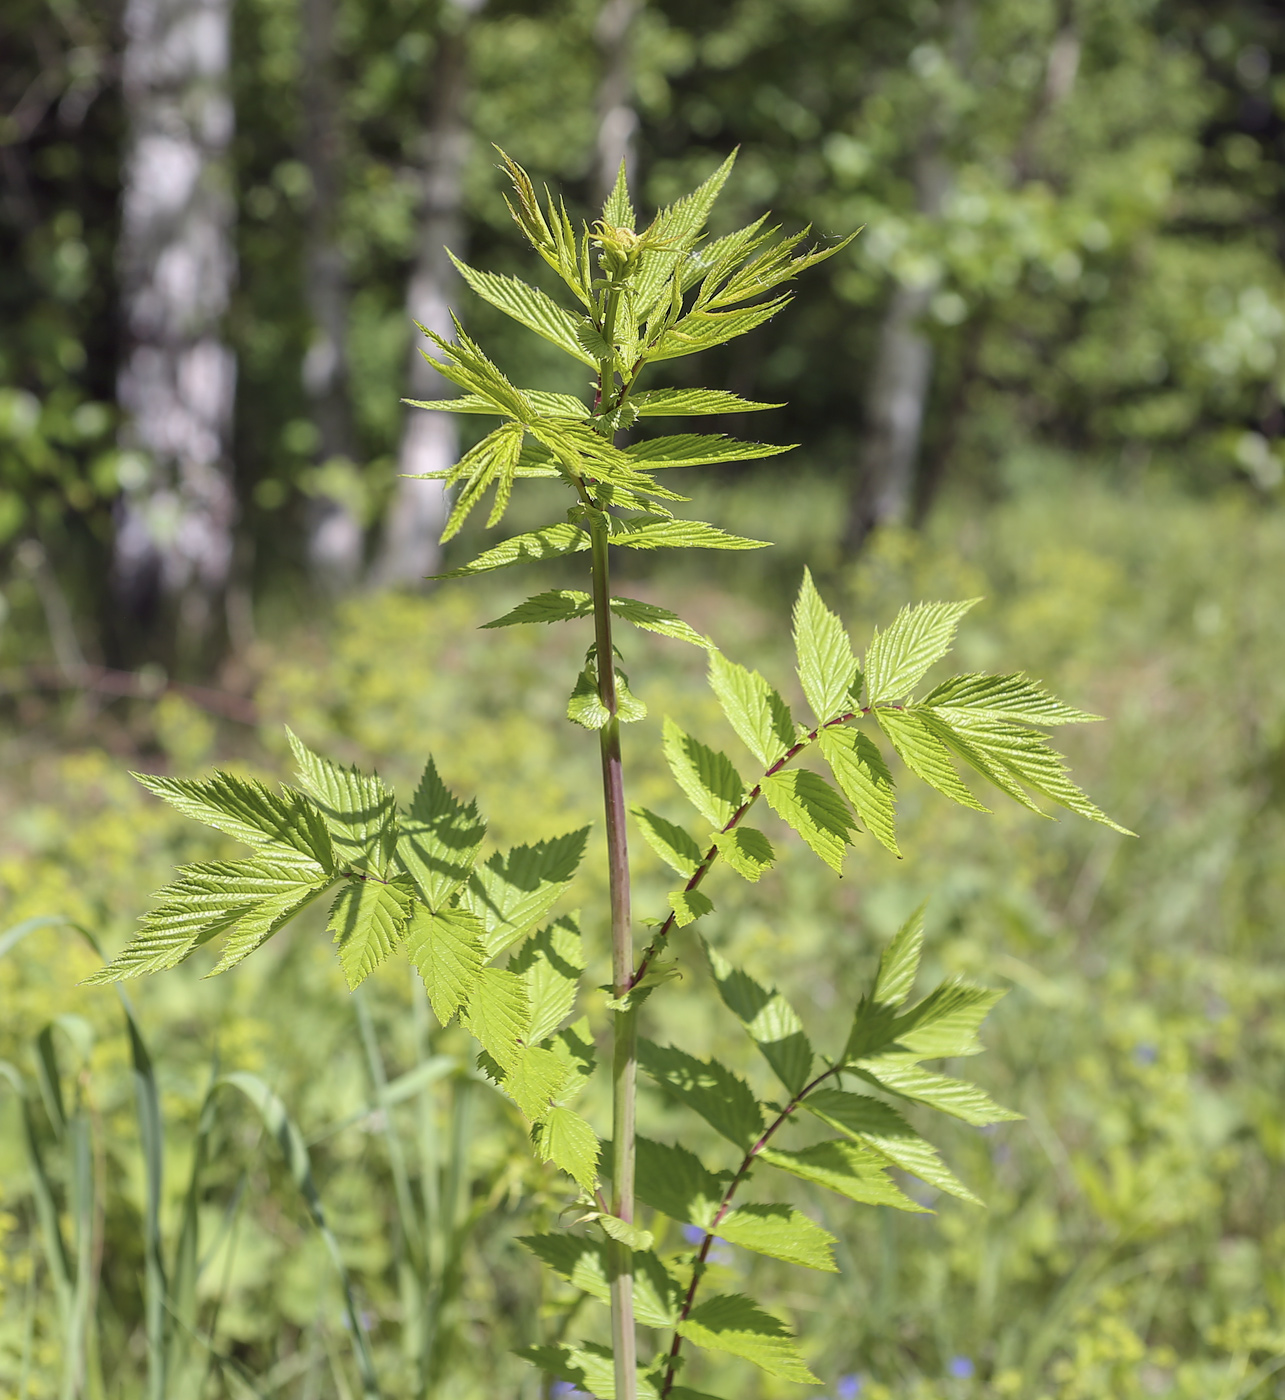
174 536
899 389
617 119
335 535
430 441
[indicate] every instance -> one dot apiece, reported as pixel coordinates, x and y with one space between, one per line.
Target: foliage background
1099 459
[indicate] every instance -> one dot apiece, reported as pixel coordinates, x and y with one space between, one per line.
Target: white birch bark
174 537
335 534
409 550
617 119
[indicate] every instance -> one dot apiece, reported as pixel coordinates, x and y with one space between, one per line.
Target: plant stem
624 1067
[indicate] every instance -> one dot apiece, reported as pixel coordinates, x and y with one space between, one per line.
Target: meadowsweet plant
481 929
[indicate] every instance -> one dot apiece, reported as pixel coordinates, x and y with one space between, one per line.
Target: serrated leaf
723 1099
656 619
689 905
567 1140
699 450
466 365
809 804
672 843
512 892
781 1232
826 665
617 210
945 1024
899 1075
878 1125
684 403
550 964
925 755
676 534
625 1231
730 1322
770 1020
438 839
491 462
574 1046
248 811
746 850
368 919
675 1182
857 1172
557 605
535 1080
497 1014
674 231
864 779
899 962
762 720
898 658
1015 698
588 1368
527 305
584 706
253 929
545 404
709 779
551 542
702 330
359 811
584 1265
446 947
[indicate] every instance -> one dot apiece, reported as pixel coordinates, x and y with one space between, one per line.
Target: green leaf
730 1322
617 211
675 1182
702 330
585 707
1015 698
655 619
466 365
446 947
672 843
746 850
945 1024
899 1075
368 919
772 1023
899 962
811 806
683 403
925 755
781 1232
358 810
826 665
534 1080
527 305
864 779
552 542
546 405
557 605
689 905
898 658
584 1264
566 1140
245 809
760 717
878 1125
493 461
857 1172
550 965
709 780
699 450
497 1014
589 1368
512 892
438 839
725 1101
676 534
675 230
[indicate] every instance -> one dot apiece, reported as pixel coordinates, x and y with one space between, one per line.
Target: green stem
624 1069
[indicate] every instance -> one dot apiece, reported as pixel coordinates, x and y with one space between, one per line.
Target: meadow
1131 1240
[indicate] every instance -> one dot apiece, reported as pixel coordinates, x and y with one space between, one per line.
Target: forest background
1049 371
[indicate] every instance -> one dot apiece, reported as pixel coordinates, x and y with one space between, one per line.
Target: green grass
1133 1242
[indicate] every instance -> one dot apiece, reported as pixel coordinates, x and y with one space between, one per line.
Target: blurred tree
617 119
174 539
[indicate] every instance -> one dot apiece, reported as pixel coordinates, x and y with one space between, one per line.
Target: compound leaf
760 717
368 919
359 811
709 779
446 947
811 806
897 659
550 964
1015 698
513 891
827 668
438 840
925 755
674 844
567 1140
497 1013
864 779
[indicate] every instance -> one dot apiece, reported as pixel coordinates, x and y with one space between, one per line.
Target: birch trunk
617 119
174 536
335 534
430 441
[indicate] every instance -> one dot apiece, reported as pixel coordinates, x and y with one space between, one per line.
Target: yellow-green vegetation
1132 1241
